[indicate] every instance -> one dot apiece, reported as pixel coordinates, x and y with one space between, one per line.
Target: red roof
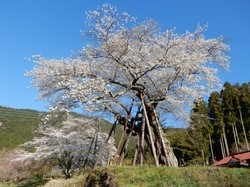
223 161
242 156
239 157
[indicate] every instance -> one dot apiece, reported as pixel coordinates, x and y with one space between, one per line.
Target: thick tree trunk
146 125
166 153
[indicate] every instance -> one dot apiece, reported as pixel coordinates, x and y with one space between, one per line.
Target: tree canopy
124 57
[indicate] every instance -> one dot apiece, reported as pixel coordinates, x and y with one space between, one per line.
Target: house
236 160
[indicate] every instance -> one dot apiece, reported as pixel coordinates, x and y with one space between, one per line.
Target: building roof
236 159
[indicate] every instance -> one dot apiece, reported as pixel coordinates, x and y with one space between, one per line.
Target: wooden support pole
116 158
103 145
110 150
136 153
150 132
125 147
89 150
162 140
118 151
141 140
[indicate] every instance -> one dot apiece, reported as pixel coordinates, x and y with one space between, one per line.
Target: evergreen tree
216 119
244 111
229 114
183 150
228 97
199 130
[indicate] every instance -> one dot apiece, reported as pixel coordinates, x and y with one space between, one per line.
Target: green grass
150 176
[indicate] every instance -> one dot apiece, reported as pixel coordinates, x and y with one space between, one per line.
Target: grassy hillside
17 126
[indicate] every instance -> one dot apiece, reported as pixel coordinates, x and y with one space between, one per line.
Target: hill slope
17 126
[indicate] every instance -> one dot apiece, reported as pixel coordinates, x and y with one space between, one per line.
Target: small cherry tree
135 71
72 145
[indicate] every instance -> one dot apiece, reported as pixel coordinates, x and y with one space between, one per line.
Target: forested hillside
17 126
218 128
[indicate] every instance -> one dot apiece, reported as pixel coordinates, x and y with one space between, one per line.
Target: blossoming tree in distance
135 71
72 145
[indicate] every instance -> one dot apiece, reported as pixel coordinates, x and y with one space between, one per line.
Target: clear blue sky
52 28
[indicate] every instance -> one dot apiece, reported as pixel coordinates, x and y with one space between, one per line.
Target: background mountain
17 126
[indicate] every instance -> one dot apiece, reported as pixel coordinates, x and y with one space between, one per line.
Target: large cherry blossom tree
135 71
